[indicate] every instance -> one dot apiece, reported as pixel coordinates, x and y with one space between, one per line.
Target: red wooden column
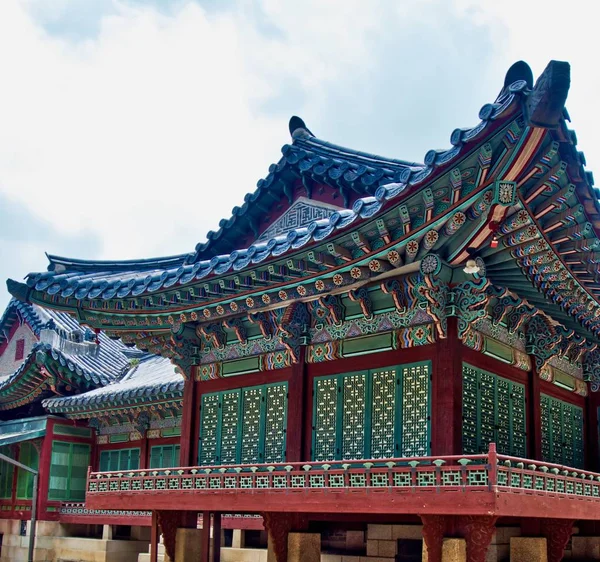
446 407
154 538
144 451
216 536
44 469
297 396
534 418
205 536
189 420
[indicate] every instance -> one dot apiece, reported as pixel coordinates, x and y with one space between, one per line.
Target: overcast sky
129 128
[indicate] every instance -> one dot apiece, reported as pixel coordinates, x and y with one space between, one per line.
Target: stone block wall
53 544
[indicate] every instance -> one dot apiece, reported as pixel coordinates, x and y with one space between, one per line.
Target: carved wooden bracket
279 525
557 533
434 528
478 531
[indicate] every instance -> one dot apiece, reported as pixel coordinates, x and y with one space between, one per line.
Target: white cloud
151 131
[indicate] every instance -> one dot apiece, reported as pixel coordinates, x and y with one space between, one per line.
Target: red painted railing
491 472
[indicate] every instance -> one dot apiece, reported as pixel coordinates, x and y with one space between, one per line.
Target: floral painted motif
338 279
393 256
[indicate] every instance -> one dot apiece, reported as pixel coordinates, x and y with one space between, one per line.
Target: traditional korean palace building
374 357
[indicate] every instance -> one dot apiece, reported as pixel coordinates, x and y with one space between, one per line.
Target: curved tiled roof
321 161
94 364
105 364
106 280
152 378
385 180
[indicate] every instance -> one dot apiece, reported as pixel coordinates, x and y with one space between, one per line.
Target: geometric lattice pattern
208 429
450 472
415 410
381 413
562 432
250 445
230 416
325 408
275 423
243 426
493 412
353 417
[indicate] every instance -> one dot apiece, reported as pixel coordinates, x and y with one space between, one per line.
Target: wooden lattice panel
493 412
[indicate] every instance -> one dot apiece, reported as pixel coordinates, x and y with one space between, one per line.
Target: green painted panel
381 302
118 438
119 460
383 413
230 420
171 432
275 423
367 344
7 472
562 432
72 431
28 455
252 399
209 424
240 366
498 350
353 426
415 410
244 426
380 413
470 425
325 419
164 456
68 471
493 412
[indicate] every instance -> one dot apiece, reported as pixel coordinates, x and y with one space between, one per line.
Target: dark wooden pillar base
170 521
434 528
478 532
557 533
154 538
278 525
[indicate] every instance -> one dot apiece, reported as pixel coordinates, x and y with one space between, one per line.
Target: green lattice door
7 471
562 432
119 459
243 426
68 471
164 456
493 412
377 413
28 455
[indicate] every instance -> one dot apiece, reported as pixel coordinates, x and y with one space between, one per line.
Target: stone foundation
52 544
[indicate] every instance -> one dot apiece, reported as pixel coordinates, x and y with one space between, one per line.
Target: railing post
493 467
